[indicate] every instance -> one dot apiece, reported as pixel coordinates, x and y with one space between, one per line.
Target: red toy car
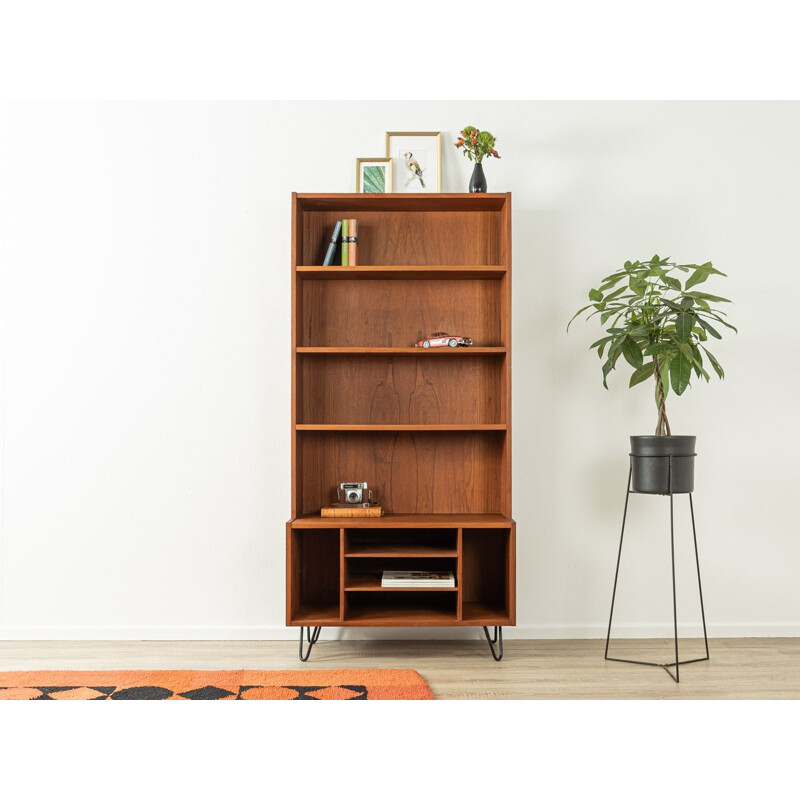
442 339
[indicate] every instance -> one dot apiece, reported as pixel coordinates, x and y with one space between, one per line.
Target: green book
345 236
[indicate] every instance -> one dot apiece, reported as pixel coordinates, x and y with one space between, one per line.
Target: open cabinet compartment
410 230
397 313
313 589
381 390
419 472
487 574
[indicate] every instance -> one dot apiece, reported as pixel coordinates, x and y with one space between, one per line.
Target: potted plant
659 326
477 146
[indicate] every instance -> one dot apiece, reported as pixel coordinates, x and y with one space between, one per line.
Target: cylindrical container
650 463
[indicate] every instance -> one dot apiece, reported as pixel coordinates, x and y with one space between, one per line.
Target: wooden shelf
394 550
483 614
372 583
447 352
430 272
395 202
318 614
476 428
411 615
405 521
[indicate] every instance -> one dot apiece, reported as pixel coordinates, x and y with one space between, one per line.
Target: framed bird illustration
416 161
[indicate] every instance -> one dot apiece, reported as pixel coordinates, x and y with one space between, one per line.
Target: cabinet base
312 637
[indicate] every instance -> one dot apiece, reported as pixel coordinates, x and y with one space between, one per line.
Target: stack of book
345 232
404 579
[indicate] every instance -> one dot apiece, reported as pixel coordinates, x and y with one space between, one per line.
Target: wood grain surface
547 669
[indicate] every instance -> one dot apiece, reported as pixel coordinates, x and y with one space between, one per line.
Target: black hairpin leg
496 639
312 640
677 663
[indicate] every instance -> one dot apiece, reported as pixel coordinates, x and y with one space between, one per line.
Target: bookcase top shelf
402 202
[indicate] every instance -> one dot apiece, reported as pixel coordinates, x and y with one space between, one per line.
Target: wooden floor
464 670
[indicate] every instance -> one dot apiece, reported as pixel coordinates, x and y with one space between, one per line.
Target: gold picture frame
406 180
372 181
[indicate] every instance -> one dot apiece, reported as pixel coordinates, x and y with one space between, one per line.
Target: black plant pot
477 183
650 464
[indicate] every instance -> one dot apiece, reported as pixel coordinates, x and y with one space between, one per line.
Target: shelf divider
401 428
445 352
396 272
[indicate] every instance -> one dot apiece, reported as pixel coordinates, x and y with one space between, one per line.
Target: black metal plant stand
677 663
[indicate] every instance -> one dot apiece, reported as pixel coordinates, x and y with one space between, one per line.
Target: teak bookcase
428 429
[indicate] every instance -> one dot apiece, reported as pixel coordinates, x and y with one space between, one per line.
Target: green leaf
722 321
680 373
698 363
700 321
608 366
595 295
683 326
615 294
673 283
687 302
637 286
714 363
673 306
698 276
658 348
642 374
600 341
632 352
576 314
709 297
611 280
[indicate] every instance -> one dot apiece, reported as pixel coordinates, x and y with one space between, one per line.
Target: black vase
477 183
650 464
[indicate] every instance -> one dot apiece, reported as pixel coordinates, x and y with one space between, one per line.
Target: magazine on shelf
396 578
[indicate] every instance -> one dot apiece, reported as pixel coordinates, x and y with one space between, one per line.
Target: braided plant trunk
662 428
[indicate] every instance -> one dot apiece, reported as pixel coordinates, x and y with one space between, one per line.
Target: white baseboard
281 633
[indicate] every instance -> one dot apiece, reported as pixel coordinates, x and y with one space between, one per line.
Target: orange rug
339 684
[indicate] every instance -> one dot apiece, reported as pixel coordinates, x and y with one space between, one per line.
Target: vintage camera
354 493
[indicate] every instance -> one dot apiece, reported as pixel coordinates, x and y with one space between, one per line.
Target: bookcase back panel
397 313
319 557
385 390
410 238
412 473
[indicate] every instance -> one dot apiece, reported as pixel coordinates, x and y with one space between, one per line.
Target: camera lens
352 497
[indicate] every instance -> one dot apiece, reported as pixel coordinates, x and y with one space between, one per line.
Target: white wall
145 347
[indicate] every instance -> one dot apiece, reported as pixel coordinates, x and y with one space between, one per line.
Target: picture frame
373 175
421 171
